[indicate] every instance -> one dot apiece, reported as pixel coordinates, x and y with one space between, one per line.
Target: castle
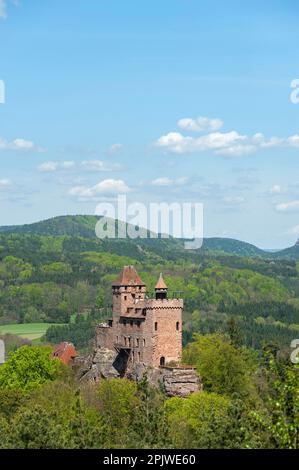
142 330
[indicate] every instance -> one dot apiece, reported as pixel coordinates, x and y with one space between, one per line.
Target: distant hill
84 226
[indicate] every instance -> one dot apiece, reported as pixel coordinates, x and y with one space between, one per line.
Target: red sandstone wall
147 344
167 340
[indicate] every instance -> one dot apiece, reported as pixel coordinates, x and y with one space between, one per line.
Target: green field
30 331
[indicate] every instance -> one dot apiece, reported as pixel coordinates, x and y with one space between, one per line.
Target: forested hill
84 226
54 270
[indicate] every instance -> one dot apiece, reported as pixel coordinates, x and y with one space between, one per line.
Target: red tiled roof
65 352
128 277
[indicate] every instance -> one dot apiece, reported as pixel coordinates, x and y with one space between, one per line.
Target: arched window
162 361
178 326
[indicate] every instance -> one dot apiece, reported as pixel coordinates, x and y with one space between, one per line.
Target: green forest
241 314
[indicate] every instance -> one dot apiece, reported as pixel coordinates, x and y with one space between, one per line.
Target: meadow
30 331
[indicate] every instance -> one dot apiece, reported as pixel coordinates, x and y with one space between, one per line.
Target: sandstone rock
177 381
97 365
103 363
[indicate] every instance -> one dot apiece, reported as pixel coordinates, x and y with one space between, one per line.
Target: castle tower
161 288
127 289
166 320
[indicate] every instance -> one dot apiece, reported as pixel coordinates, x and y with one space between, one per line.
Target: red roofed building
66 352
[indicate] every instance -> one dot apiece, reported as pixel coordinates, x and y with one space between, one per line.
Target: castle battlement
164 303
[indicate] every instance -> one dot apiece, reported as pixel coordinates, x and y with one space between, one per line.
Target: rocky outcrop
180 381
106 364
175 381
101 364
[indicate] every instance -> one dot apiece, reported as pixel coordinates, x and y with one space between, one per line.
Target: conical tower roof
128 277
161 283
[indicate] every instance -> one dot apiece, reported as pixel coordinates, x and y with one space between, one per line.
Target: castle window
125 297
139 357
156 326
137 343
144 311
133 295
138 324
125 341
125 322
178 326
162 361
144 343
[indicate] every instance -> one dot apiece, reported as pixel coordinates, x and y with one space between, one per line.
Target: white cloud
98 165
276 189
48 167
3 13
236 150
5 183
294 230
51 167
288 206
293 141
234 200
20 145
200 124
220 143
103 188
176 143
162 182
68 164
3 7
165 181
115 148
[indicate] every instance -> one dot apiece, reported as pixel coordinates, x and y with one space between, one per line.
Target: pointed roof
128 277
161 283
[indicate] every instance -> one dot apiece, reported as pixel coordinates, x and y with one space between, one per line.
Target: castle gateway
142 330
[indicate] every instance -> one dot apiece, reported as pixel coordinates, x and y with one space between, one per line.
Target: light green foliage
70 421
29 368
117 402
199 421
57 268
223 368
282 400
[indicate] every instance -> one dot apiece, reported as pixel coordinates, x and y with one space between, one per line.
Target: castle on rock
142 329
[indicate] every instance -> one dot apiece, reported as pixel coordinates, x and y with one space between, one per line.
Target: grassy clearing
30 331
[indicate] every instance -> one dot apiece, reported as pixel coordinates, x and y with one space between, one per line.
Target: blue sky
173 100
